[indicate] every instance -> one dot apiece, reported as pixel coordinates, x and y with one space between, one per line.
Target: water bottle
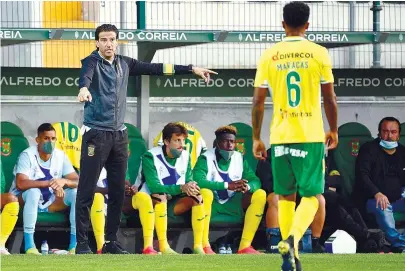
229 249
222 249
44 248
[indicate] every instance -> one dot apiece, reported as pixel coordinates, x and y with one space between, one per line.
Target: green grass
357 262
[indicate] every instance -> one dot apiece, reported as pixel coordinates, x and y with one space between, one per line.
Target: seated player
133 200
222 172
46 182
166 175
9 215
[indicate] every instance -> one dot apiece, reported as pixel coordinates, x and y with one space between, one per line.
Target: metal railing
204 15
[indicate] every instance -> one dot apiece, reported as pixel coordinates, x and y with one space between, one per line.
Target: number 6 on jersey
293 88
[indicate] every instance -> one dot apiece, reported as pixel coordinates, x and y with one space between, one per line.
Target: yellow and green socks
9 217
304 215
97 217
143 202
286 213
161 225
208 198
197 222
253 217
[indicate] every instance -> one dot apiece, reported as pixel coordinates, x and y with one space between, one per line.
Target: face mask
175 152
48 147
226 154
389 145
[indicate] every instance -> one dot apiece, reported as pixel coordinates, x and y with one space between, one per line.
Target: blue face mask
389 145
48 147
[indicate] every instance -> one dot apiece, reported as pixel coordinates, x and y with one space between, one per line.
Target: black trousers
101 149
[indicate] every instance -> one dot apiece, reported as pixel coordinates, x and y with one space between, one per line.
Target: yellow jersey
195 144
293 70
69 140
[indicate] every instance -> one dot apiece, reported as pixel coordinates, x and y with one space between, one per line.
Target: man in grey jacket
103 87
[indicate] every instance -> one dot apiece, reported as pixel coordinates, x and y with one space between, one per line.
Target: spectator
380 179
221 172
47 182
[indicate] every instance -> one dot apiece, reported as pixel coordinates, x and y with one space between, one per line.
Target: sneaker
169 251
72 251
286 249
208 250
4 251
99 252
113 247
318 248
149 251
83 248
229 249
198 250
249 250
33 251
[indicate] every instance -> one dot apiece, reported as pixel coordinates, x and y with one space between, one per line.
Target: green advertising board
192 36
228 83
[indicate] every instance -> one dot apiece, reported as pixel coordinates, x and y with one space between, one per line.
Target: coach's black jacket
376 172
108 87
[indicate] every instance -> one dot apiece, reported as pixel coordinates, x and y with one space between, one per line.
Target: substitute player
294 70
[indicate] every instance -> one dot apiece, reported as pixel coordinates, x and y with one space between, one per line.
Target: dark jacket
372 173
108 87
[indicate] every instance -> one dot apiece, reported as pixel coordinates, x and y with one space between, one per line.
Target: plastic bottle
44 248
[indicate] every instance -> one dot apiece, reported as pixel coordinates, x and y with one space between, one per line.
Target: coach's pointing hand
203 73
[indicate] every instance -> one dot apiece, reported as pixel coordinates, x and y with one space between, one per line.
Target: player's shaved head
296 14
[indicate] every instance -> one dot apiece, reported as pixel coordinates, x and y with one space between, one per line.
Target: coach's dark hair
173 128
296 14
389 119
106 28
45 127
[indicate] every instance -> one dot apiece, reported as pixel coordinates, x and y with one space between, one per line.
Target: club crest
5 146
91 150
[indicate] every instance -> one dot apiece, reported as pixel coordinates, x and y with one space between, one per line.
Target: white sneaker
4 251
222 249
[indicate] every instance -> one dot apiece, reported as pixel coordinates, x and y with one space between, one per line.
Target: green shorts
298 167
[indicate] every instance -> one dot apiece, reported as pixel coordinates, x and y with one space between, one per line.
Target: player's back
294 70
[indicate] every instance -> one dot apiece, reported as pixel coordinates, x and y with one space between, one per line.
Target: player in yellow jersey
296 71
